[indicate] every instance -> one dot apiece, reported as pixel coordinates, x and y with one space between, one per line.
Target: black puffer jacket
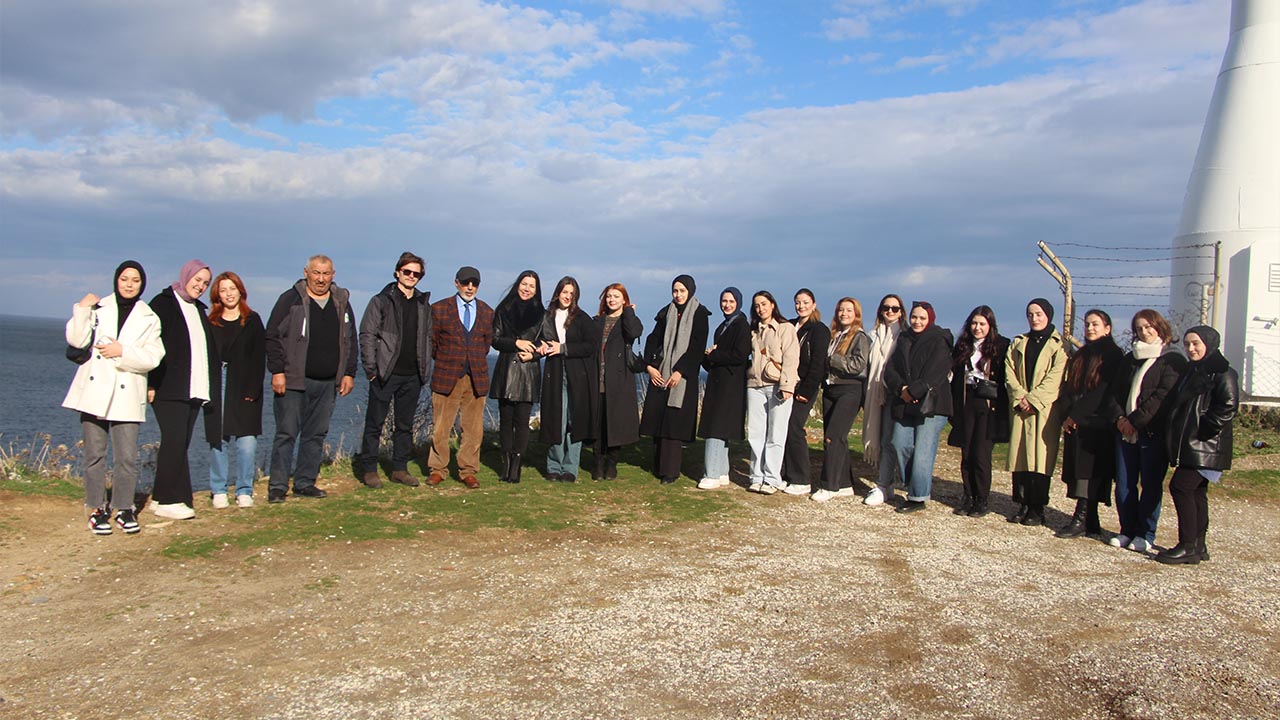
1201 410
920 363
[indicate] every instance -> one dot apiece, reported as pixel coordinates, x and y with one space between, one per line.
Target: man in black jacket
395 348
311 354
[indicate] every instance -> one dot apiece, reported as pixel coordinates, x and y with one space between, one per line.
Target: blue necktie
466 316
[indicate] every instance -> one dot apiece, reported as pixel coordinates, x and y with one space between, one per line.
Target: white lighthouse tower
1231 214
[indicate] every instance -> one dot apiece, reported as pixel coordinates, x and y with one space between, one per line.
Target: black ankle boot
1034 516
1020 515
1092 525
513 470
1075 528
966 504
506 468
610 467
978 508
599 473
1181 554
1204 551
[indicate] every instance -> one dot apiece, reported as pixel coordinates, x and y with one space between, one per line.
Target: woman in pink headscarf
186 381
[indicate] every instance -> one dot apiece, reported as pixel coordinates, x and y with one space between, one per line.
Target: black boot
1075 528
506 468
513 469
1034 516
611 466
1180 554
1020 515
1204 551
1092 525
599 473
966 504
978 508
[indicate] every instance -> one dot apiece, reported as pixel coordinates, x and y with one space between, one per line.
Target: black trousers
795 453
177 420
513 425
667 457
1031 488
1190 492
398 392
602 432
840 406
975 449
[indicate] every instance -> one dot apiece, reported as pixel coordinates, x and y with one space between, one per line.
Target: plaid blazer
450 347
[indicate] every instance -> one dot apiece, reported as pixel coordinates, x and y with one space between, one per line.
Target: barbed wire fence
1097 280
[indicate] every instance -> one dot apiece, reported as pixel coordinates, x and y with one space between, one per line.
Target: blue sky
856 147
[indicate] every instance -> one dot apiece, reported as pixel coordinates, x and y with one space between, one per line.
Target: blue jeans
565 457
246 464
1140 471
715 458
767 418
917 447
302 419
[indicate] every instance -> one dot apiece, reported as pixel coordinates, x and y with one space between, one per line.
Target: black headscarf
1036 338
737 313
1213 360
125 305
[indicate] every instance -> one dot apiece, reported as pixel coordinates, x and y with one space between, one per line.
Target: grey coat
380 334
288 335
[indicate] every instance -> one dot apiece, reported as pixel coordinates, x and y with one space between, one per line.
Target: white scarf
1148 353
199 387
883 338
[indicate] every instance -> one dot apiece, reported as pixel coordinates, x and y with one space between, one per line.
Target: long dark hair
1084 370
902 314
524 313
990 344
215 299
755 318
816 315
555 299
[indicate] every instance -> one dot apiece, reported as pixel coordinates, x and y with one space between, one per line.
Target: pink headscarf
188 271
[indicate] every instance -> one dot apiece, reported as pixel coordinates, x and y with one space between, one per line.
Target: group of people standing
1123 419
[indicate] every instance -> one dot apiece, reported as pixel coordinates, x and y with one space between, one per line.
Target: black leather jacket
1203 404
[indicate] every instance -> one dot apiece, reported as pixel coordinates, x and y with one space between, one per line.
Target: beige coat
1033 441
114 389
777 341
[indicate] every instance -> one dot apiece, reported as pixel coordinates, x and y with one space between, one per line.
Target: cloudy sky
855 147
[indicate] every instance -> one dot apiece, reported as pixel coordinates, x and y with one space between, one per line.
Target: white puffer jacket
114 389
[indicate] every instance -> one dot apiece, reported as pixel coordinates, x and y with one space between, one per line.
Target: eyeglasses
890 308
410 273
468 283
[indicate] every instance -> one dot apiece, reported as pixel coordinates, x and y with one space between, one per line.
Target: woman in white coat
121 337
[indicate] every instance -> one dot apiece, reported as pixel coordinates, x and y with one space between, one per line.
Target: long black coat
998 424
579 361
1089 453
724 402
514 379
246 360
172 377
680 423
1201 411
920 363
621 409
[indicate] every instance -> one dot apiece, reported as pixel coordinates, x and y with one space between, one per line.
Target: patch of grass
1256 423
1250 484
31 483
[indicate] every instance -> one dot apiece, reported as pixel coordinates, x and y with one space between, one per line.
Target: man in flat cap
461 330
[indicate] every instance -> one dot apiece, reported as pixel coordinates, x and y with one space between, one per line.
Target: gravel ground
793 609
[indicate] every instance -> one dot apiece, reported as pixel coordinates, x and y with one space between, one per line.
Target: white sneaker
709 483
794 489
823 495
220 501
874 498
845 492
767 489
152 506
755 487
1119 541
244 501
1140 544
175 511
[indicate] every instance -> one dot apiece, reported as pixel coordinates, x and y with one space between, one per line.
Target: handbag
81 355
772 371
635 363
986 389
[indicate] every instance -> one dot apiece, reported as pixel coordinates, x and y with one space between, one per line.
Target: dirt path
796 609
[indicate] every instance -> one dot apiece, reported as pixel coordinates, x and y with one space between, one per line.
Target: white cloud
676 8
846 28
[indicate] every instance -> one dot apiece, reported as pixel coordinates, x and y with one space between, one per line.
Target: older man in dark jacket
395 348
461 331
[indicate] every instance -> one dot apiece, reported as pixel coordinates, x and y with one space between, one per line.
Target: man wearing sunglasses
395 349
462 328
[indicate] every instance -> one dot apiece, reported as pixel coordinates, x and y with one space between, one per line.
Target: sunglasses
410 273
468 283
890 308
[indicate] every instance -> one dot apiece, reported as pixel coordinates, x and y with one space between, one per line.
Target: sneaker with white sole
709 483
822 495
244 501
1139 544
795 489
1119 541
767 489
175 511
220 501
127 521
846 492
874 498
100 522
755 487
